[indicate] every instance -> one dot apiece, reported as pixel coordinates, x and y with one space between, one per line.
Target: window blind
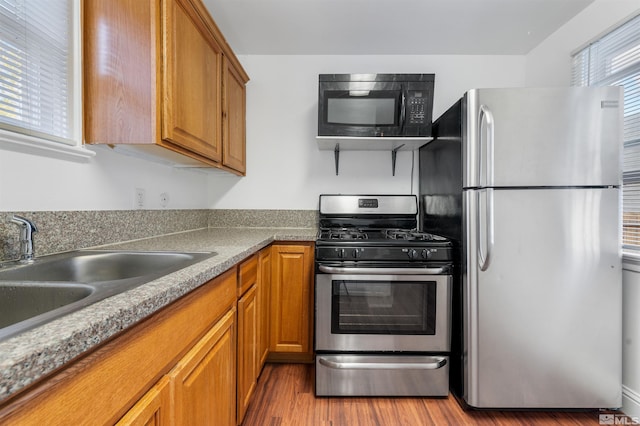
614 59
36 68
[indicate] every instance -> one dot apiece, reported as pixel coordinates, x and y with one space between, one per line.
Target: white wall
107 181
285 169
549 65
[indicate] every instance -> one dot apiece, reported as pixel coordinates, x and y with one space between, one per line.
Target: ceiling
384 27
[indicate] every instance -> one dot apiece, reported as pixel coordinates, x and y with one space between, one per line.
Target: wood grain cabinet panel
104 385
247 274
247 350
120 71
291 302
153 83
153 409
234 118
191 86
204 381
264 306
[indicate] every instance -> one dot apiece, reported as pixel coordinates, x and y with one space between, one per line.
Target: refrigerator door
532 137
542 296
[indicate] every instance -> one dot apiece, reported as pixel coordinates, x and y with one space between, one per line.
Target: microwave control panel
417 101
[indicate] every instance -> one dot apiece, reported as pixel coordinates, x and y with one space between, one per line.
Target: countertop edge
27 358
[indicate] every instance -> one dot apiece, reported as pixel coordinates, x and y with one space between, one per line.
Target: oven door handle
377 365
382 271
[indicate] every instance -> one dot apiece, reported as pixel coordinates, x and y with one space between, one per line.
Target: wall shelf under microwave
351 143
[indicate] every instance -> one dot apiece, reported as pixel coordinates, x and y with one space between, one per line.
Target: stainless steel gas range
383 299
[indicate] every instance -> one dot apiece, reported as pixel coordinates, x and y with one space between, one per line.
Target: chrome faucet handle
27 229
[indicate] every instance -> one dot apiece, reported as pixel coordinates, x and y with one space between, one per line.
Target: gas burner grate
410 235
343 234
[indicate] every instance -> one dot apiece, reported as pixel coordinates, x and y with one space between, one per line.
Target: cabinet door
153 409
264 308
119 71
233 118
191 82
247 349
291 299
204 381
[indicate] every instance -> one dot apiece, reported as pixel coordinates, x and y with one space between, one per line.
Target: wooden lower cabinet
247 350
264 305
195 362
203 382
127 371
200 388
291 302
153 409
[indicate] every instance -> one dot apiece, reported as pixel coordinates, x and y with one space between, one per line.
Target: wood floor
284 396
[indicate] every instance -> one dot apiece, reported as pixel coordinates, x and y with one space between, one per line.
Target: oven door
382 310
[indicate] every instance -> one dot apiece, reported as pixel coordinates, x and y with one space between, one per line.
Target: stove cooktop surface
387 245
391 236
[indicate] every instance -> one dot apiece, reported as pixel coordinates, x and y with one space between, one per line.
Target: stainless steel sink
21 301
95 266
35 293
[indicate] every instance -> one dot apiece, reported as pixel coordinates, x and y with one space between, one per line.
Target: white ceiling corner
386 27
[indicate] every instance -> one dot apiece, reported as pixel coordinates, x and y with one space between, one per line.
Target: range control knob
427 253
413 254
341 253
357 253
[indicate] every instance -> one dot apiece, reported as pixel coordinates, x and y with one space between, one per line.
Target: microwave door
361 109
370 109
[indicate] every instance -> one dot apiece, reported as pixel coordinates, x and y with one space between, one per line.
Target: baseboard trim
630 402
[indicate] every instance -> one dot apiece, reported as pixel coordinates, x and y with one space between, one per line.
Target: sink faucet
27 229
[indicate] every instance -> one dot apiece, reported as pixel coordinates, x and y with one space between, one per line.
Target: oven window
372 109
398 307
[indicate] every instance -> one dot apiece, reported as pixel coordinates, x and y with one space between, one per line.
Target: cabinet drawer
376 375
247 274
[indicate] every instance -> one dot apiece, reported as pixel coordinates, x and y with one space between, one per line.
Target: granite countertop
30 356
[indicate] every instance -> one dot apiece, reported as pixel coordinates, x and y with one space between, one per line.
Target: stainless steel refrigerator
527 182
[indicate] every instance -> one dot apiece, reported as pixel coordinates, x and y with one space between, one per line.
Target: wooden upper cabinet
120 71
233 116
153 83
192 84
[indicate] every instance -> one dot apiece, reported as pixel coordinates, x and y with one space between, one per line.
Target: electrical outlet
139 199
164 199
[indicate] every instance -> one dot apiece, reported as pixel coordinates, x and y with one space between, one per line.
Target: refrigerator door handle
485 247
402 111
486 132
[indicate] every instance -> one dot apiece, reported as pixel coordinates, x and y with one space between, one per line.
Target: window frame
586 72
73 148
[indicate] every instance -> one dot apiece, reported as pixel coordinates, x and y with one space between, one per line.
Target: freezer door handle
485 245
438 362
486 129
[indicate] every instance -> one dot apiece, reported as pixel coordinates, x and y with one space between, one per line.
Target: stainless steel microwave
375 105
